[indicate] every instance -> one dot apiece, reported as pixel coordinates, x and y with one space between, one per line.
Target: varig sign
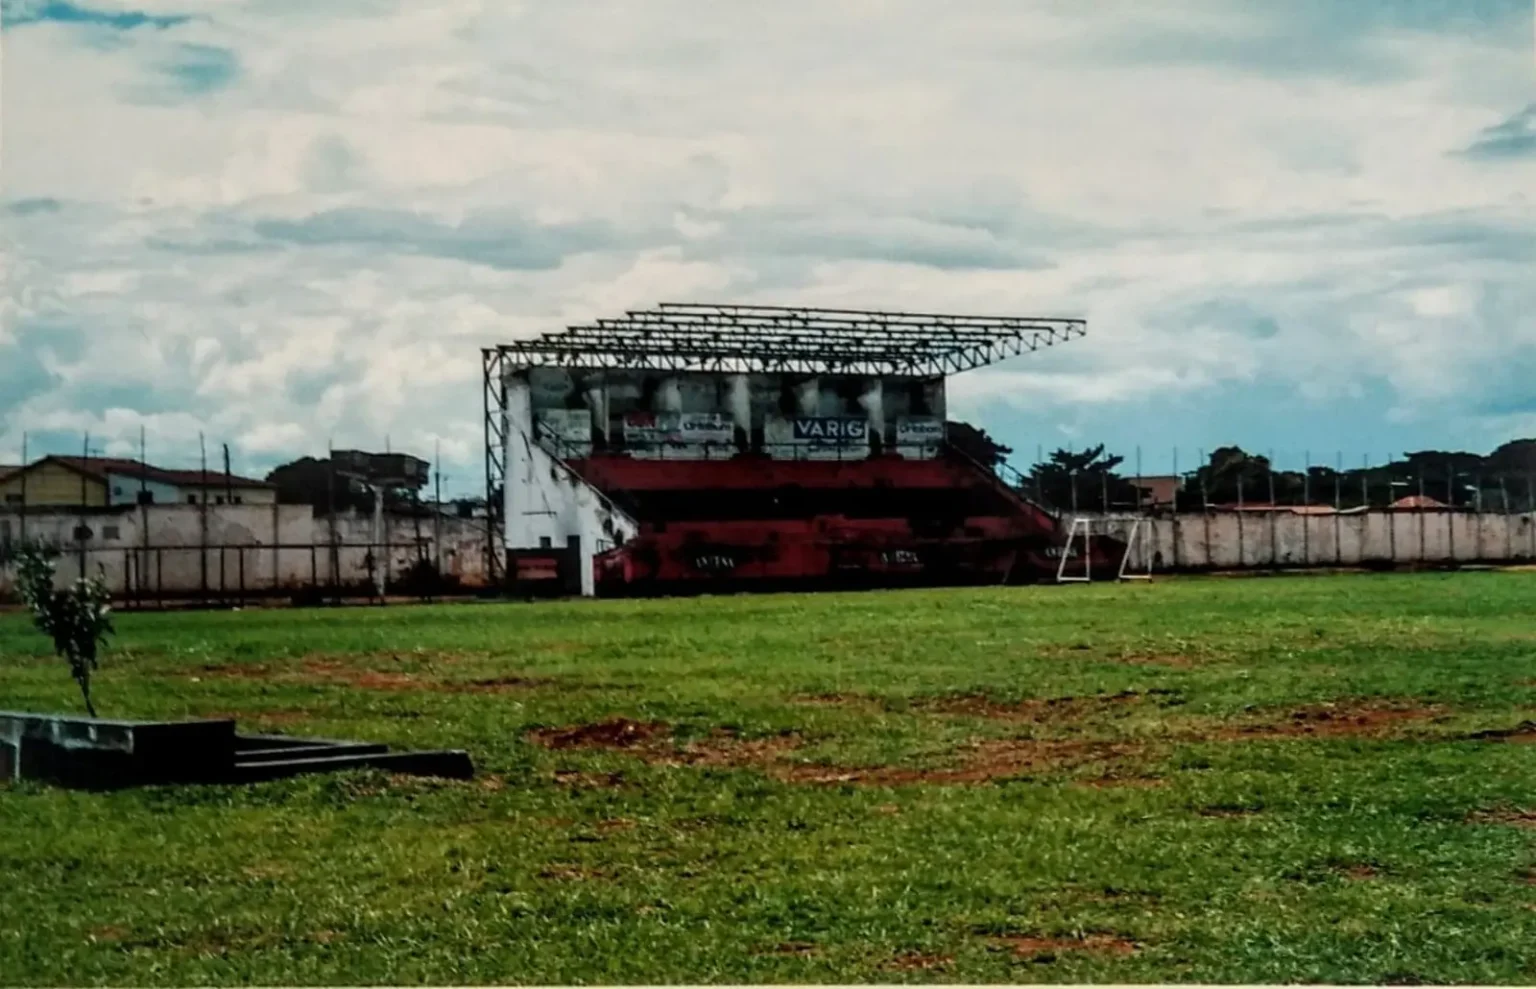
817 438
832 431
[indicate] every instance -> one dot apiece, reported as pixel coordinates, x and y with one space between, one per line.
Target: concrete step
452 764
312 751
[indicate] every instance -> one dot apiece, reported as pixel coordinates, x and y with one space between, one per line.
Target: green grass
1379 856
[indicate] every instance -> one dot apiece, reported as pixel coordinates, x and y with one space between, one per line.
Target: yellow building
97 482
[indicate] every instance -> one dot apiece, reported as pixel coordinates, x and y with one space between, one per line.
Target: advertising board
566 428
817 438
679 435
919 437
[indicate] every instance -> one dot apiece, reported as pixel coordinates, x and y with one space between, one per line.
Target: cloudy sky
1298 225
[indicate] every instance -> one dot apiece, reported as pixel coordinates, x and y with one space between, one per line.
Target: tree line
1094 480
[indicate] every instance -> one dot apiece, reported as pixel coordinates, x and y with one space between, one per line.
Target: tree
1085 481
976 444
77 618
319 483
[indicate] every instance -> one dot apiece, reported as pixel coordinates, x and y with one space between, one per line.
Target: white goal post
1084 528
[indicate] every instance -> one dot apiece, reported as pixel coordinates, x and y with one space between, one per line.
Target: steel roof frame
680 337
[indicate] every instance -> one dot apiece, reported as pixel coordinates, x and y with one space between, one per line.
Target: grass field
1259 780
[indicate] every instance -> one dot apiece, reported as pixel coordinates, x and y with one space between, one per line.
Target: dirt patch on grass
1226 810
836 700
653 741
1358 872
589 781
1113 782
615 733
1038 709
571 873
727 749
109 933
232 671
1513 816
1038 948
242 718
321 671
917 961
1169 660
1523 733
1341 719
793 949
980 762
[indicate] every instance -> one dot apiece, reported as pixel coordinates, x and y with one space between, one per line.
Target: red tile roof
1417 501
100 467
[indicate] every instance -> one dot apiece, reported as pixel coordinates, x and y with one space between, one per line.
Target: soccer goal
1138 537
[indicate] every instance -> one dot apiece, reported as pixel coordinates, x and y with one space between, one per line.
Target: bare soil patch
615 733
1113 782
232 671
981 761
917 961
588 781
1515 816
247 718
1523 733
571 873
1341 719
330 672
795 949
1037 709
1358 872
836 700
1170 660
1041 948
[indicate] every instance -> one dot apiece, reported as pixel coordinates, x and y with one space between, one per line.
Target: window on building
5 531
236 499
191 499
146 497
545 542
117 490
110 532
219 500
13 499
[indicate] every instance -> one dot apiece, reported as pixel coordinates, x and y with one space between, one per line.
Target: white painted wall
545 502
266 546
1238 540
124 490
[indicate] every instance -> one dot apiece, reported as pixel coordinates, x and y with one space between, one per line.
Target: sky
1307 228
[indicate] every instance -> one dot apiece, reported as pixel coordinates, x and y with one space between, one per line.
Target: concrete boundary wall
1285 540
146 552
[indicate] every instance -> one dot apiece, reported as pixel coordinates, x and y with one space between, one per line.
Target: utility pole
202 498
85 456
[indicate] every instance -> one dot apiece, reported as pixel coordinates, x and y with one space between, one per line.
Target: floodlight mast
682 337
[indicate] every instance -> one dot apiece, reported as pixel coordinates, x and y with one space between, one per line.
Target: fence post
1205 509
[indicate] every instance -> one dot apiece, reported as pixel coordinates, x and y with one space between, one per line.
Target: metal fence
234 575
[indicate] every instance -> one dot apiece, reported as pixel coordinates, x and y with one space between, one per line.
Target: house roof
100 467
1418 501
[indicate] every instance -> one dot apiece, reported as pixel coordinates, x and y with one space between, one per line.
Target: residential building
1158 491
101 482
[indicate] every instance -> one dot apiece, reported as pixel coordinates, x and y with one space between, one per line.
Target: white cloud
318 249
